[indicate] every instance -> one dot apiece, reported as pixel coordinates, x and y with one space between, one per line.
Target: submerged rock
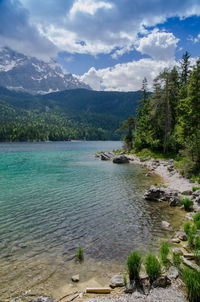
165 225
76 278
120 159
116 281
107 155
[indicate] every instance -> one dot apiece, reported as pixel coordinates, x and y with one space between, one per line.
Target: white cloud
158 45
127 76
105 26
88 6
195 40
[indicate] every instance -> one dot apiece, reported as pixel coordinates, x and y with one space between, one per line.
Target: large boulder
107 155
162 194
120 159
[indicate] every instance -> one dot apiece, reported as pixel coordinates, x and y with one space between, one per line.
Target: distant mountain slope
23 73
70 114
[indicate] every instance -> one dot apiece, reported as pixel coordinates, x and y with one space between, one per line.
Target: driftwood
98 290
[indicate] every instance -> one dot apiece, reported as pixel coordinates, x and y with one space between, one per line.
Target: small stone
116 281
177 251
161 282
176 240
81 295
165 225
172 273
143 277
76 278
189 256
187 192
182 236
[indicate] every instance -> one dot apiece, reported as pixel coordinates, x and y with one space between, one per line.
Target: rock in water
76 278
120 159
165 225
116 281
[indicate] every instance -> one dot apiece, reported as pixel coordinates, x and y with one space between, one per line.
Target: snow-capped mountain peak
25 73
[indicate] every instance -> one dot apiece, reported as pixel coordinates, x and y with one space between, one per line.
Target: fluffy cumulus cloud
158 45
127 76
103 25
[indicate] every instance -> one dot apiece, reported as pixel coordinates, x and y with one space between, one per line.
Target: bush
79 254
153 267
196 219
192 282
134 261
187 227
195 189
176 260
187 204
164 251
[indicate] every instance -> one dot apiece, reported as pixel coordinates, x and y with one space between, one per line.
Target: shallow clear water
56 197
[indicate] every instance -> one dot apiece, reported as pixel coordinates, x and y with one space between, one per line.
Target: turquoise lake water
56 197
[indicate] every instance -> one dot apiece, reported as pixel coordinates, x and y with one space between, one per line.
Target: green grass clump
191 236
197 243
195 189
79 254
192 282
188 203
153 267
134 261
186 227
196 220
164 251
176 260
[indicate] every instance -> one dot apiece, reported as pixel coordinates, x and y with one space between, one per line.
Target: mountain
24 73
69 114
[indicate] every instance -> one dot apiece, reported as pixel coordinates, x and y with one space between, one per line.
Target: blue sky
109 44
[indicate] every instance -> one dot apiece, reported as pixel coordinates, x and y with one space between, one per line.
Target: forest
65 115
168 121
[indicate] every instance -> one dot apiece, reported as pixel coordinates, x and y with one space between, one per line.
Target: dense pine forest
168 121
66 115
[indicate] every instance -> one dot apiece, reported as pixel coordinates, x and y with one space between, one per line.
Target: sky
108 44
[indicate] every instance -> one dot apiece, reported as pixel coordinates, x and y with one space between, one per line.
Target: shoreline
172 179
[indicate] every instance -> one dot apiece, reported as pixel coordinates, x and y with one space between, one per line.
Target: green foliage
153 267
195 189
196 219
156 184
192 282
187 225
176 260
134 261
169 120
128 127
70 114
80 255
197 243
164 251
188 203
191 236
125 279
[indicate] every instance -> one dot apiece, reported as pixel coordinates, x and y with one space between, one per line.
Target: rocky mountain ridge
28 74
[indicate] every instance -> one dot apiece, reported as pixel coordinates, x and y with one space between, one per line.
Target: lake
56 197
